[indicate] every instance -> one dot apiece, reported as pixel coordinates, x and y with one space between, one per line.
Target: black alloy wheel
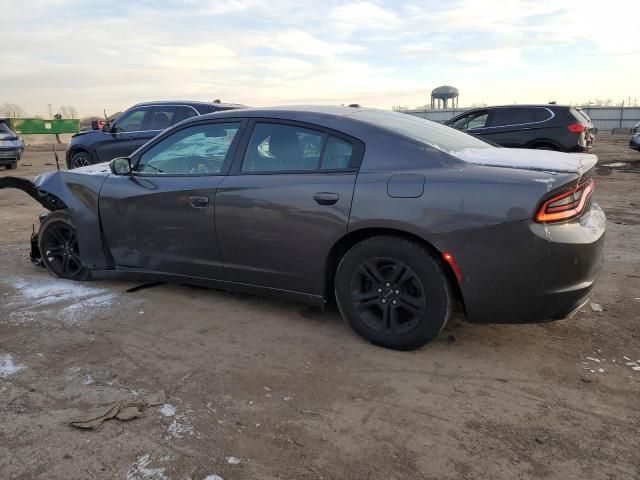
393 292
388 295
58 243
80 159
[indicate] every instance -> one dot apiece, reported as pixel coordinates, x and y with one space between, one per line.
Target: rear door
285 203
512 126
161 218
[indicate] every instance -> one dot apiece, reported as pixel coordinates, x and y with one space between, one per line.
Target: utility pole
50 110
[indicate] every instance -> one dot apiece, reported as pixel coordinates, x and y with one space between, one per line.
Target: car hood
538 160
86 132
96 169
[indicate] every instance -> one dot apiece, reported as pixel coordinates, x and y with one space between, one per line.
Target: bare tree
12 110
69 111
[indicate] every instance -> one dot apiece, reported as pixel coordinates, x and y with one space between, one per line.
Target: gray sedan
395 218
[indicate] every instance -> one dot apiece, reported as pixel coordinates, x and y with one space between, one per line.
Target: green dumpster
38 126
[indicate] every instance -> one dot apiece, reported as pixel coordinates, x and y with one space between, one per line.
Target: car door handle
326 198
199 202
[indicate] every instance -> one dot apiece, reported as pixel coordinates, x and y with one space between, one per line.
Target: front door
285 205
127 134
161 218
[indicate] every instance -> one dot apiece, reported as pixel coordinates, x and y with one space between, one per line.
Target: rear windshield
580 115
424 131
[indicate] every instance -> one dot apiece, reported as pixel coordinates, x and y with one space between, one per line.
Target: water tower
440 97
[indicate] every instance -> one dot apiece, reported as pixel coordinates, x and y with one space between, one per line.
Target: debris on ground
122 410
140 470
144 286
630 363
168 410
8 366
596 307
233 460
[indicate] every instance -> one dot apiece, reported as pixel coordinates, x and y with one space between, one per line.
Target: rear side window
337 155
280 148
512 116
274 147
161 118
182 113
580 115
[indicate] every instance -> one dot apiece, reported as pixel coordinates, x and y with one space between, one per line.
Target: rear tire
80 159
393 292
544 146
58 244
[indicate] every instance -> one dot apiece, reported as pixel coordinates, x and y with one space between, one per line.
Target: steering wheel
195 164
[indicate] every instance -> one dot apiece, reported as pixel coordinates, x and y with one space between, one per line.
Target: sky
108 55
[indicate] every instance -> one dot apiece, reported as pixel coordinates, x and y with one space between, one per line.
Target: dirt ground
262 389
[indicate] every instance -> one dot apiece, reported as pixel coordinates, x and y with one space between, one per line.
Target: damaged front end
48 201
77 192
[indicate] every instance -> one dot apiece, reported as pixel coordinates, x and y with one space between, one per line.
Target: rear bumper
525 272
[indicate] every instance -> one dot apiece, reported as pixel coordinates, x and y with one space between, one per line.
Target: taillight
576 128
566 205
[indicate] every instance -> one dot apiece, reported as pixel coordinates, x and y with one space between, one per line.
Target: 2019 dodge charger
394 216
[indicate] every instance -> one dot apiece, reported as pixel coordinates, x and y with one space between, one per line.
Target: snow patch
140 471
616 165
39 297
213 477
541 160
8 366
168 410
233 460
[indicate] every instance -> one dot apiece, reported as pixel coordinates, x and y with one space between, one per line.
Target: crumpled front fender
77 192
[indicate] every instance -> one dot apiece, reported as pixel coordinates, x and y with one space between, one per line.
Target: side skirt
146 276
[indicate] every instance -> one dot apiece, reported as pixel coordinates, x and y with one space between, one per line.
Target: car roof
190 102
294 112
526 105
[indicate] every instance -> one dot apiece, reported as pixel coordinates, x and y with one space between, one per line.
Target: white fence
604 118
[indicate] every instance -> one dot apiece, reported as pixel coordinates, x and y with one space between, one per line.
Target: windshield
4 128
424 131
580 115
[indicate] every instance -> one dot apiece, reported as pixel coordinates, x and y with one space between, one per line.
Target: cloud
259 52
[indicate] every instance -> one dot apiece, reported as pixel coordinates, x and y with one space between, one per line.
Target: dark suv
134 128
544 127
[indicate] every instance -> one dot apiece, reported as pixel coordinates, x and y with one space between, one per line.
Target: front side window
472 120
274 147
478 121
196 150
131 121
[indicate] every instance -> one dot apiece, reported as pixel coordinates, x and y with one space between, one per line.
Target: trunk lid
524 159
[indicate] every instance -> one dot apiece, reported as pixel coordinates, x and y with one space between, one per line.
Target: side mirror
120 166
